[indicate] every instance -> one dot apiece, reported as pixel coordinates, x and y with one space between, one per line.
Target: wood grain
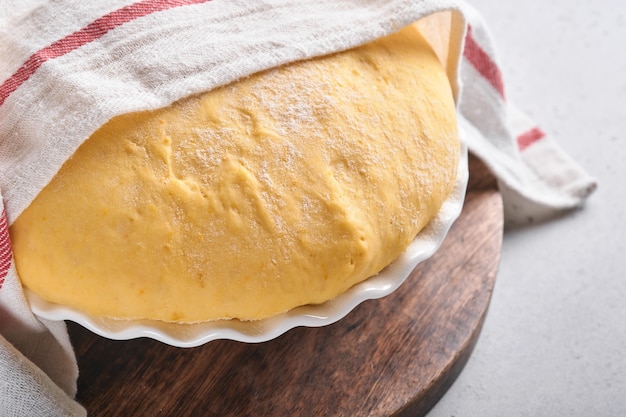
395 356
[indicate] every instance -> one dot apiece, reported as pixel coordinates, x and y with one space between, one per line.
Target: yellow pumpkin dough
282 189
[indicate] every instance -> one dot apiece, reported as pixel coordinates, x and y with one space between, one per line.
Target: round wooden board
395 356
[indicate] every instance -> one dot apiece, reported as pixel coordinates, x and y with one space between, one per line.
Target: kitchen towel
68 66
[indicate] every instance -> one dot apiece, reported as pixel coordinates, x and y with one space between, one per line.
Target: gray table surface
554 341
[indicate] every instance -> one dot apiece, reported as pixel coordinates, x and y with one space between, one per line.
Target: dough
282 189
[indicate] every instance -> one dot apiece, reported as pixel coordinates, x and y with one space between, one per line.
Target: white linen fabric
68 66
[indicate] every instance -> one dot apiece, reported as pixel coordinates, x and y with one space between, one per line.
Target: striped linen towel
68 66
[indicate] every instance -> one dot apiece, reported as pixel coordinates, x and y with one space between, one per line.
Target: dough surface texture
282 189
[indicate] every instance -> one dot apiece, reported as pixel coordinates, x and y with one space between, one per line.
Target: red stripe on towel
5 248
483 63
529 137
89 33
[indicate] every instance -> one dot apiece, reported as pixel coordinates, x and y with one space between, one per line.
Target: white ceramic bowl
190 335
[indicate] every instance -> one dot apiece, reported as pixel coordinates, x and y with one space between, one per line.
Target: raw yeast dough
282 189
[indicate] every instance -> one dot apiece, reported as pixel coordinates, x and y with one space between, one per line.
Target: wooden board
395 356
